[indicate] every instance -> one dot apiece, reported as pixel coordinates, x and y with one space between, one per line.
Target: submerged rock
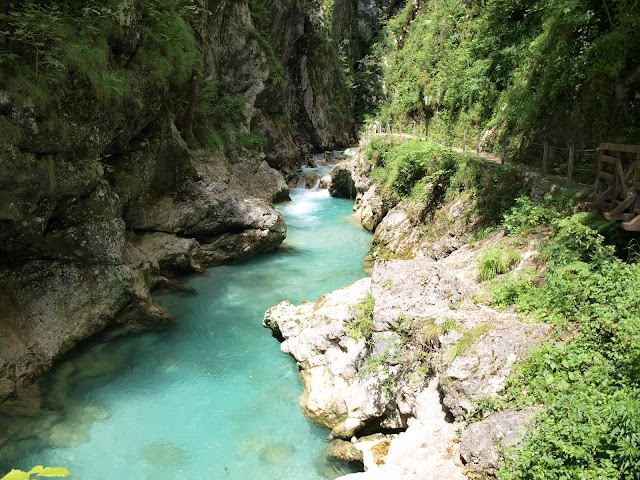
343 450
266 449
277 453
164 454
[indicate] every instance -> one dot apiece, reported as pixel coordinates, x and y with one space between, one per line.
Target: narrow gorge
177 188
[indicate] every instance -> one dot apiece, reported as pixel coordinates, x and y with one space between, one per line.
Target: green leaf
54 472
16 475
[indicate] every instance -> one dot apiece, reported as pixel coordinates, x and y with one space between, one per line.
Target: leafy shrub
510 289
590 384
527 214
361 327
420 170
496 261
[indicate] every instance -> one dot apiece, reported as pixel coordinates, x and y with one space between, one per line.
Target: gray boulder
483 444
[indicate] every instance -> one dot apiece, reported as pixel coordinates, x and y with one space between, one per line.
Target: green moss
10 133
71 47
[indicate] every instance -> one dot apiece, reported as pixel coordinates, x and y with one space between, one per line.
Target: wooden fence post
464 141
570 168
478 145
545 157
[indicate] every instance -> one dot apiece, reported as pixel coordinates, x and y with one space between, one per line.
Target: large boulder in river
342 183
311 180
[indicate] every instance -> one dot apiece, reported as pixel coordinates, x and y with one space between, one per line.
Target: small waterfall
315 187
301 183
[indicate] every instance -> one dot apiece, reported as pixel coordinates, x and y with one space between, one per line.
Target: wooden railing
616 192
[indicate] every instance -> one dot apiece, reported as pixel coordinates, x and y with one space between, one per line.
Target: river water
213 397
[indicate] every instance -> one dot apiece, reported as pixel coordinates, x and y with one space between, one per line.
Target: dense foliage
588 379
431 173
71 60
562 70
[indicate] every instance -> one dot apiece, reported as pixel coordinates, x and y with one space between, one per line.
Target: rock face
421 354
482 372
483 443
103 193
427 449
315 335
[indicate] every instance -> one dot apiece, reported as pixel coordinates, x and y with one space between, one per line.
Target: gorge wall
140 138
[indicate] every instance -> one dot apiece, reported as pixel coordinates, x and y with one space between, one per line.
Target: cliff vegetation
582 282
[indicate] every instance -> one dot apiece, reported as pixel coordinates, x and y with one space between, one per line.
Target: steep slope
561 71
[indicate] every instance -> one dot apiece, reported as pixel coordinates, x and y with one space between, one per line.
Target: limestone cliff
142 137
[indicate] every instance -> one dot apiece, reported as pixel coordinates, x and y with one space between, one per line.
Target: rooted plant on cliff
360 328
496 261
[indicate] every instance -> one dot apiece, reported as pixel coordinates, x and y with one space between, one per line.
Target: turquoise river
212 397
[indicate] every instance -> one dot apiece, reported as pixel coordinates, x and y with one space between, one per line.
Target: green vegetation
406 354
588 379
37 472
496 261
361 327
48 49
521 70
527 214
431 173
469 337
218 118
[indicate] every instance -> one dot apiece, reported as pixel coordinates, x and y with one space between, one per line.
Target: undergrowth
496 261
588 378
431 173
361 327
48 49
